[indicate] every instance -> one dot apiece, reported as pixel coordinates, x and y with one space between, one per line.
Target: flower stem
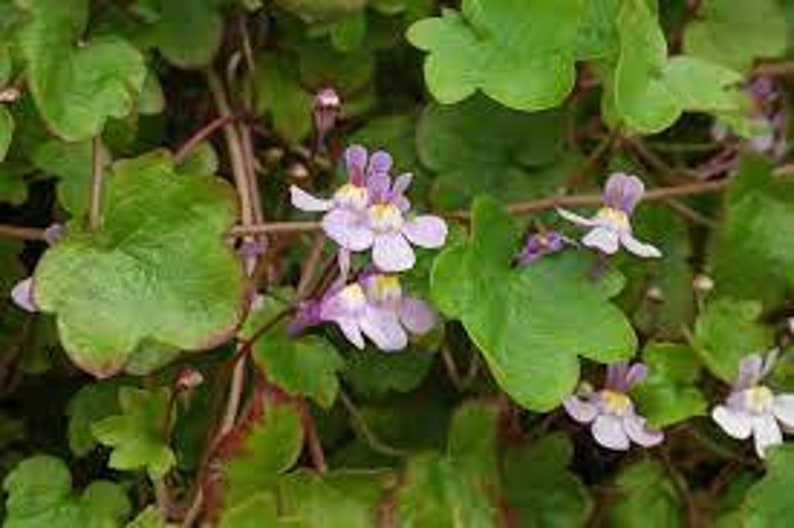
97 181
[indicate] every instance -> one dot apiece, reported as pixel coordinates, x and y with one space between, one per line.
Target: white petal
639 432
783 408
392 253
416 316
603 239
306 202
22 295
383 327
735 423
766 432
580 410
348 229
575 218
639 248
608 431
352 331
427 231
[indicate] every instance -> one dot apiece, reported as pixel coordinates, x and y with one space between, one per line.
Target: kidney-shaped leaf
530 324
158 269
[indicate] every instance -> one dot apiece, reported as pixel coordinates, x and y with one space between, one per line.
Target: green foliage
6 131
91 404
178 251
138 435
530 333
40 495
646 496
768 502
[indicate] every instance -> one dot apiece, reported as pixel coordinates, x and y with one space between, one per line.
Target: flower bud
702 283
325 111
298 172
189 378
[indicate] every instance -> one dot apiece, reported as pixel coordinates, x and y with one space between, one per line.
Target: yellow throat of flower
615 402
385 216
616 218
759 398
352 195
385 288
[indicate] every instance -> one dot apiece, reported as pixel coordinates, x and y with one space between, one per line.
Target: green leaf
188 32
645 496
279 94
728 330
6 131
753 257
306 366
734 33
148 518
321 10
160 261
93 402
76 88
519 52
271 447
13 188
650 91
598 36
375 374
40 496
138 434
478 146
540 489
529 333
670 394
72 164
258 510
768 502
456 489
338 499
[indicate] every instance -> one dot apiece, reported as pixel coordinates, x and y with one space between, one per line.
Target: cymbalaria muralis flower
615 424
371 212
373 306
611 226
325 111
752 409
538 245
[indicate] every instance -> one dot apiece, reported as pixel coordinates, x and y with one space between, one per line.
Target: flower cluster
371 212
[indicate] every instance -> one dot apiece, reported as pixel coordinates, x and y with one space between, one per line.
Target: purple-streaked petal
22 295
639 433
575 218
379 185
750 371
401 183
783 409
766 433
426 231
417 316
348 229
616 376
380 162
608 431
356 163
640 249
384 329
306 202
352 331
579 409
623 192
736 423
602 239
636 374
392 253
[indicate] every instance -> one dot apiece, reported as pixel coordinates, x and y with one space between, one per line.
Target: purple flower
325 111
615 424
752 409
370 212
539 245
22 292
374 306
611 226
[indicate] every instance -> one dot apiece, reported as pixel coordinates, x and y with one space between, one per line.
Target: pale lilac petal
356 163
417 316
343 259
603 239
766 433
402 203
379 185
426 231
737 424
54 233
391 252
608 431
616 376
783 408
352 331
348 229
306 202
575 218
384 329
380 162
401 183
750 371
636 374
22 295
579 409
623 192
640 249
639 432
